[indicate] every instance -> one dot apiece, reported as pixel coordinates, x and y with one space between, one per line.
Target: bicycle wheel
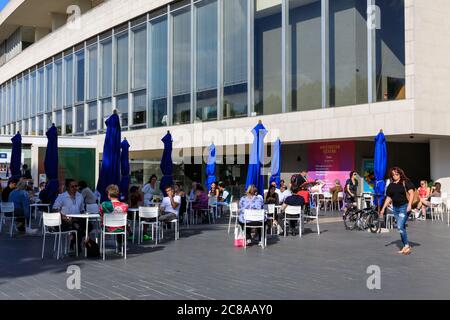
350 220
373 223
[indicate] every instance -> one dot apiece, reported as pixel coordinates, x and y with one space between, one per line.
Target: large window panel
121 63
41 91
50 121
139 74
207 39
235 59
92 116
19 101
26 97
92 53
69 121
79 119
106 109
79 67
122 107
390 51
140 108
49 87
33 93
68 90
40 120
106 73
304 62
13 101
347 53
182 66
58 121
268 57
59 84
158 71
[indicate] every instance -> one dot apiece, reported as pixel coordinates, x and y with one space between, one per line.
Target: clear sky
3 4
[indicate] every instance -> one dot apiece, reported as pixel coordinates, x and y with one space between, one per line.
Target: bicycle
362 219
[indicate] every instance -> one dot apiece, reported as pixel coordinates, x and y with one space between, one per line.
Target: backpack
92 248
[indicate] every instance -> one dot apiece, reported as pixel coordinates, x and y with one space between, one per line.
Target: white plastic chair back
435 201
115 220
234 207
327 195
254 215
291 210
340 195
92 208
148 212
7 207
271 208
52 219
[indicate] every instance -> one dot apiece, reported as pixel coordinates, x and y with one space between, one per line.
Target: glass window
121 63
304 85
390 51
106 110
26 97
182 66
92 121
58 84
33 93
69 121
140 108
139 58
40 120
41 92
106 73
79 56
347 52
92 53
49 121
268 76
158 71
68 67
58 121
25 127
33 126
13 101
122 108
207 39
49 87
79 119
235 59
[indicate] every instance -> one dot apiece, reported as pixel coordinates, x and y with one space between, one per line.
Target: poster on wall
328 161
369 175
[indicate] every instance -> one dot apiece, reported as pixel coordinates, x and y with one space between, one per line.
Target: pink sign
328 161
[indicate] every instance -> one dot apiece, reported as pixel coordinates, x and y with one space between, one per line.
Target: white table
86 216
36 206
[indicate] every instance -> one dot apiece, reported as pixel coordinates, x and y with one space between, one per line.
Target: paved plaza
203 264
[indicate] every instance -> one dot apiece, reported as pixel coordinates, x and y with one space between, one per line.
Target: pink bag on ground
239 237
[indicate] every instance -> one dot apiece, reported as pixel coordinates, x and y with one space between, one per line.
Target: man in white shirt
170 206
71 202
285 192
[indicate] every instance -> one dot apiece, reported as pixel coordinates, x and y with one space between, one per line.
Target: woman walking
400 193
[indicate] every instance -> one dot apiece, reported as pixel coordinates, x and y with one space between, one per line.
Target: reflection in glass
140 108
58 121
40 120
26 97
33 93
121 84
106 109
58 84
92 119
49 87
182 66
49 121
158 71
390 51
347 53
139 58
304 91
79 119
235 59
41 99
106 73
268 76
80 76
207 37
69 121
92 72
68 67
122 108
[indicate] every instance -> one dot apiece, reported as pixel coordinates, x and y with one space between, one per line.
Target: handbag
239 237
416 197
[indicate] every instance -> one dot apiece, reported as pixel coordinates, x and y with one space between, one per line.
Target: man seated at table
12 183
295 201
170 206
224 197
21 200
71 202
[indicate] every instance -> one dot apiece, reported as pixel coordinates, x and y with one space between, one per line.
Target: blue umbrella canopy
16 156
380 166
51 164
110 171
166 163
276 163
211 166
125 168
254 175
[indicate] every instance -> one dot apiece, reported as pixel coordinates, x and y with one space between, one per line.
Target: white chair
436 208
255 216
271 215
175 223
234 213
313 217
340 199
115 220
148 213
327 199
292 213
368 198
95 209
7 207
390 220
51 222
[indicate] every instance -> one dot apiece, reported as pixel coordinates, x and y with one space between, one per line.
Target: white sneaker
31 231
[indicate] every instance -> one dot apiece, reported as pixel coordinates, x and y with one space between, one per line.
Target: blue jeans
402 216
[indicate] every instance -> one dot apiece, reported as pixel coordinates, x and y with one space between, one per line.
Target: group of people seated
200 198
425 195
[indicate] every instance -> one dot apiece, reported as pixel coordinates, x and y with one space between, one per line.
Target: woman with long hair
397 193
